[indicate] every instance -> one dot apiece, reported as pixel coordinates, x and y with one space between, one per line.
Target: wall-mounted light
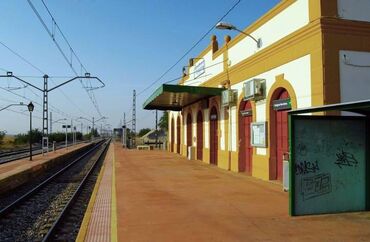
228 26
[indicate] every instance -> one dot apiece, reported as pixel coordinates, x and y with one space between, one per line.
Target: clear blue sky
127 43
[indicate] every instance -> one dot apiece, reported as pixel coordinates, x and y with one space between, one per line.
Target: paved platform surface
164 197
14 167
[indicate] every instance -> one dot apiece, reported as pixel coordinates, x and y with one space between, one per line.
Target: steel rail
14 204
48 236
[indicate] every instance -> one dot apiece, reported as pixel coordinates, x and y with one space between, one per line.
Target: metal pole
92 130
51 122
156 128
30 136
124 131
66 136
133 131
74 135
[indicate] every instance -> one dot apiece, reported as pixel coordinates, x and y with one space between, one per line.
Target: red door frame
172 134
213 137
189 133
279 139
199 135
245 147
178 130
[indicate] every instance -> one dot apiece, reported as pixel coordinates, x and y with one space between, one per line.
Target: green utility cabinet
329 162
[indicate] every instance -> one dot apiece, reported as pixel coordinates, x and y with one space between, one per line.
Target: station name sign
214 117
282 104
246 113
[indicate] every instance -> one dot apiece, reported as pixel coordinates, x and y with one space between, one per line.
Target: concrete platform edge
114 234
86 220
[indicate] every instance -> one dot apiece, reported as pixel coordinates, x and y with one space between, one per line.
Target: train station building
230 108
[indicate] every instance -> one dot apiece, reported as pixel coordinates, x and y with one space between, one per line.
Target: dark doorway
178 131
213 142
245 147
279 134
200 136
189 133
172 134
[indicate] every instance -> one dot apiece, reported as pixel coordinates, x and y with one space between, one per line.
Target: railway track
54 209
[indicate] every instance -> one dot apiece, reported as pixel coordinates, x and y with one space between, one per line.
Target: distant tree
2 135
163 121
61 136
143 131
24 138
95 132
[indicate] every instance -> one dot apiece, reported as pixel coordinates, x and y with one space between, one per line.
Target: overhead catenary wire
189 50
35 102
42 72
21 57
73 53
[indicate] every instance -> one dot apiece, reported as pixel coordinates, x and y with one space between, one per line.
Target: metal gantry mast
45 104
51 123
134 118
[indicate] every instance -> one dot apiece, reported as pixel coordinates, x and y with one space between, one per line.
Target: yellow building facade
312 53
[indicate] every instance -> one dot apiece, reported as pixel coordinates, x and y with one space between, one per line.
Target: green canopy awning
175 97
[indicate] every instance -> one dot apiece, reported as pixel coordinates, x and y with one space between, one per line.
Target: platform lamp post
30 107
228 26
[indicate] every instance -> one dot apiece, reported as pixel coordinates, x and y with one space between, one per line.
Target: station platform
15 173
159 196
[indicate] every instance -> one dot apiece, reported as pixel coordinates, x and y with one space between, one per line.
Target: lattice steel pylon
45 127
134 118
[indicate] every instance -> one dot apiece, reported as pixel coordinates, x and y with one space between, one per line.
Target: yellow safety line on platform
113 223
86 220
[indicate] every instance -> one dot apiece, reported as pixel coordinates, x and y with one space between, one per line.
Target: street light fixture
228 26
30 107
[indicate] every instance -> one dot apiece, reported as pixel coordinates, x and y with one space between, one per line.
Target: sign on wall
258 134
328 165
245 113
199 68
282 104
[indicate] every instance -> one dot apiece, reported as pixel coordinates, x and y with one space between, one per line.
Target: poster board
258 134
328 164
